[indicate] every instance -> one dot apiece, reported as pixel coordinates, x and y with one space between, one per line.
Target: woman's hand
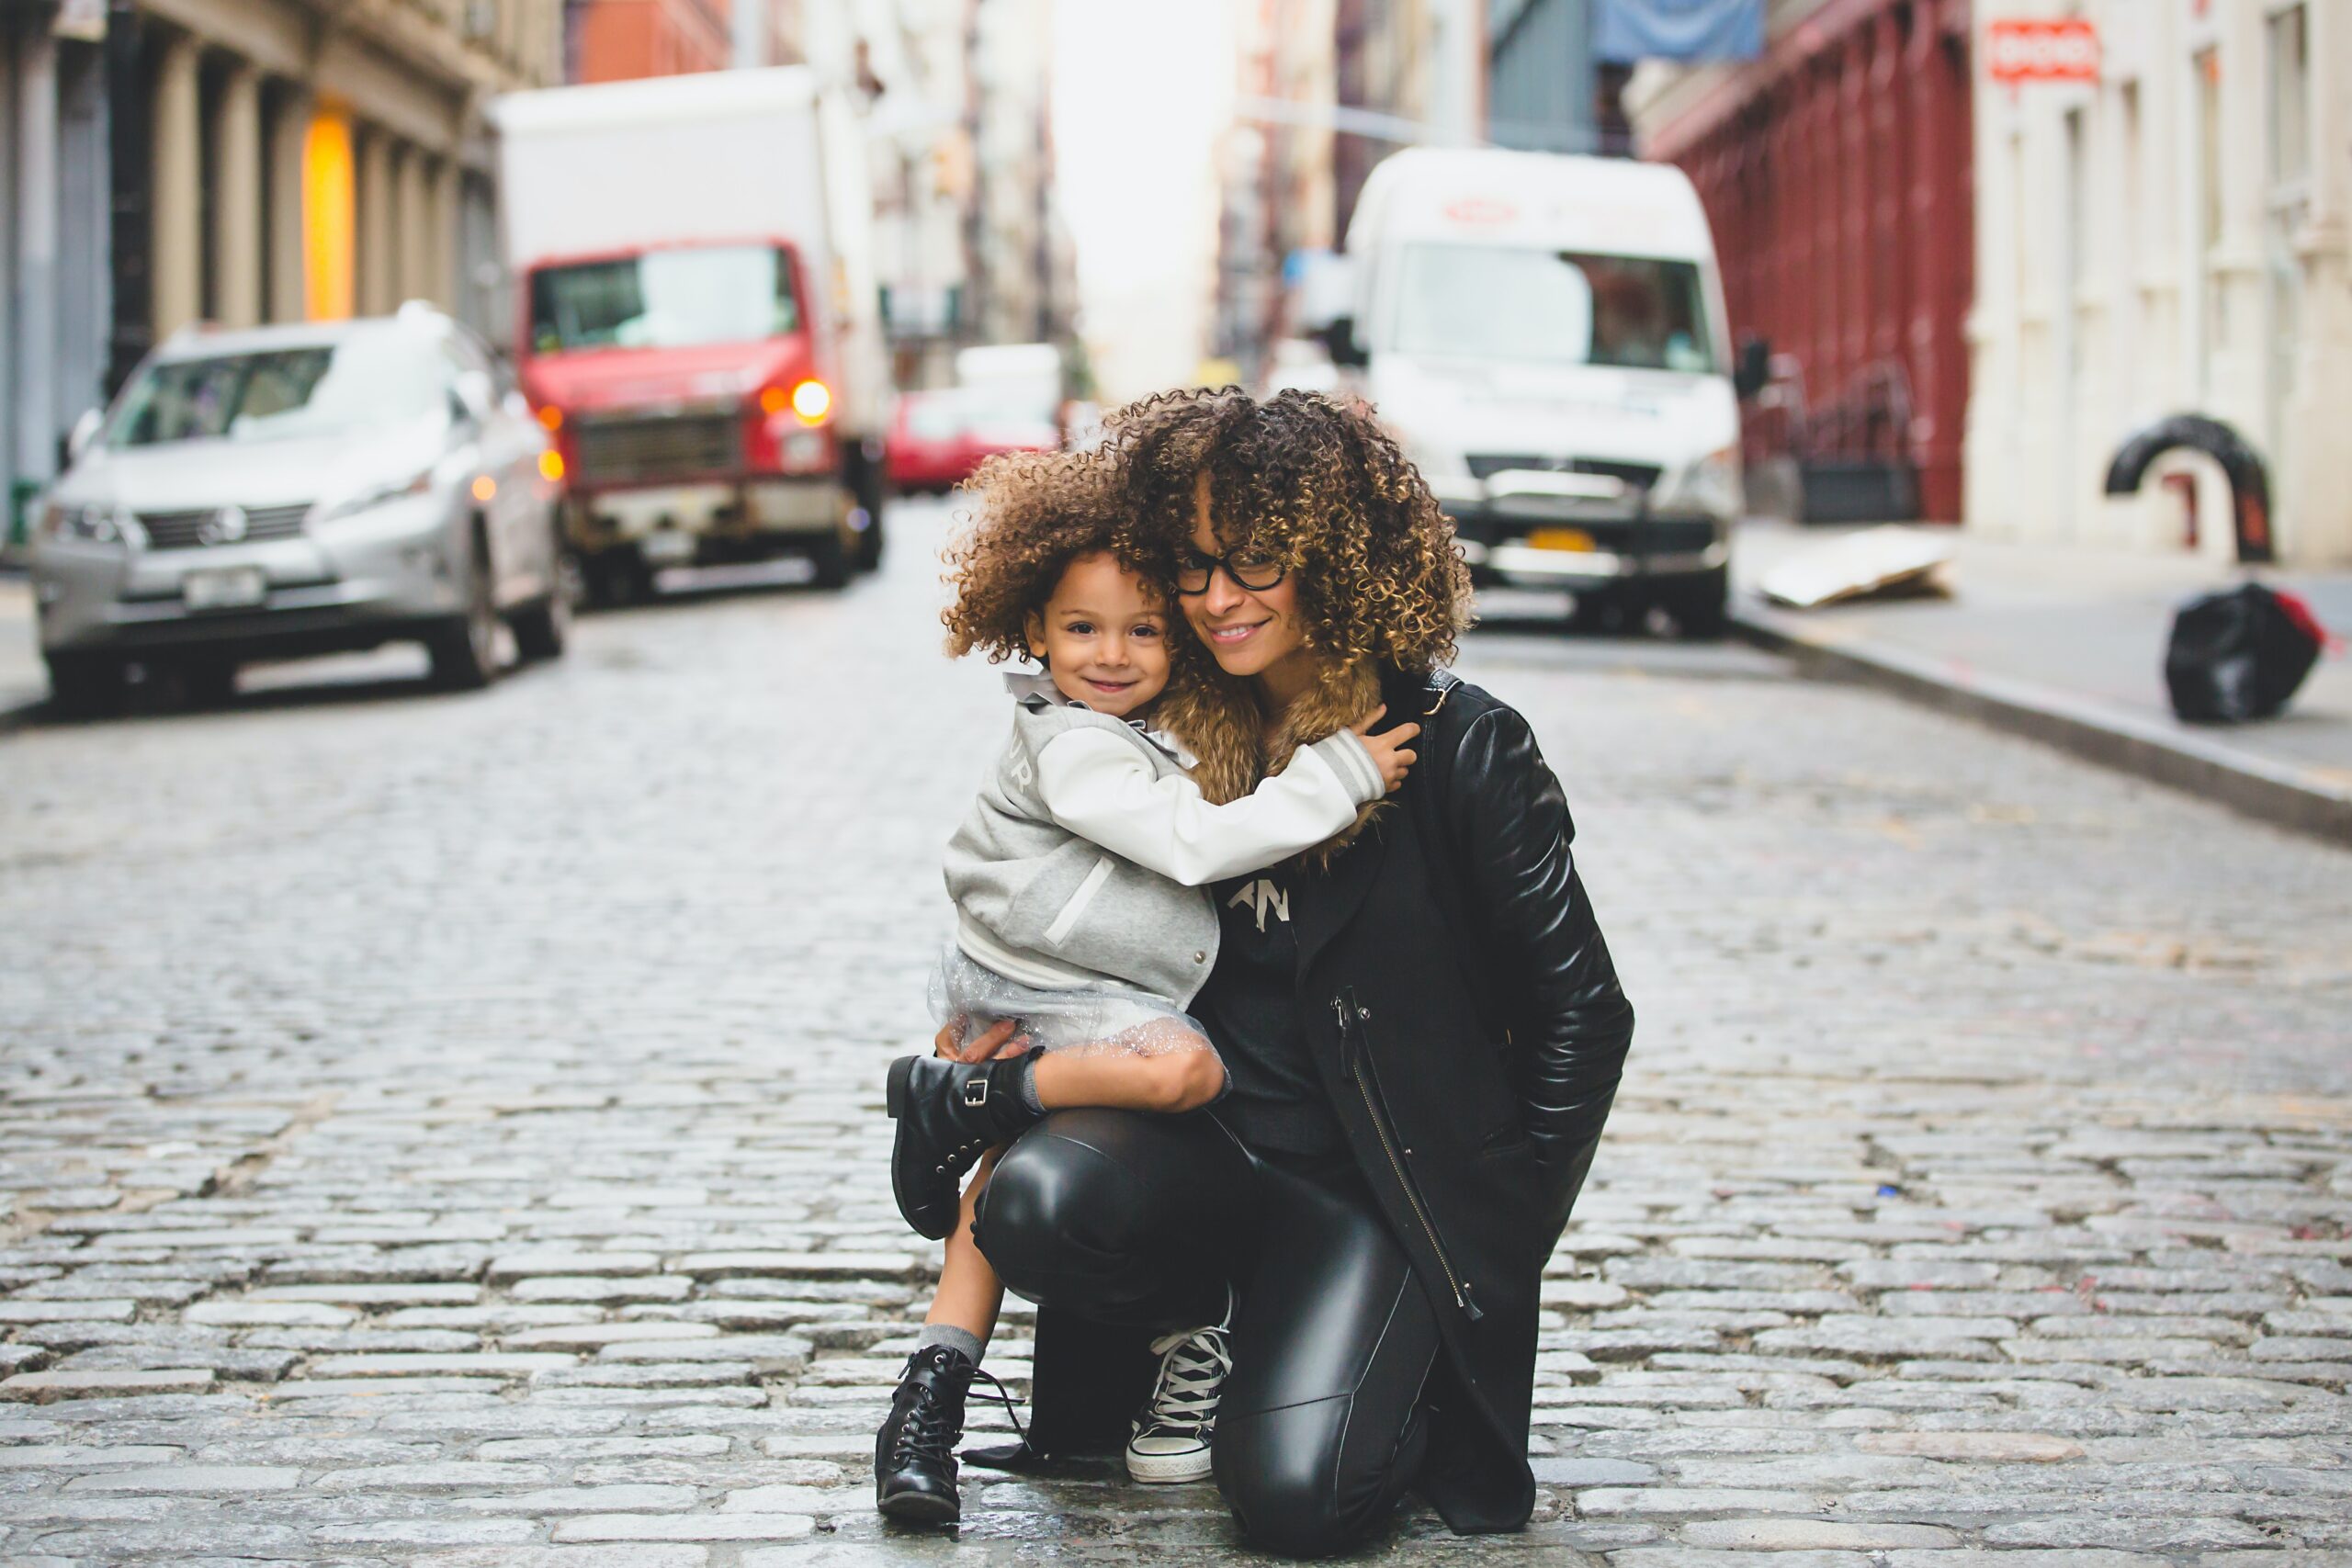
984 1047
1388 749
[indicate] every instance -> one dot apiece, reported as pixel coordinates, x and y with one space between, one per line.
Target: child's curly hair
1033 512
1317 482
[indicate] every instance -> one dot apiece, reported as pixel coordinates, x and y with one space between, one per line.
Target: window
667 298
1562 307
2291 86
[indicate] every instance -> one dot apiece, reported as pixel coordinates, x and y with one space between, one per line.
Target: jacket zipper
1344 1009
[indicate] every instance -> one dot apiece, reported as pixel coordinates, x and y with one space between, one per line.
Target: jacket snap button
1201 957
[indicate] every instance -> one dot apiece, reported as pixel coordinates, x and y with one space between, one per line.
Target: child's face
1104 637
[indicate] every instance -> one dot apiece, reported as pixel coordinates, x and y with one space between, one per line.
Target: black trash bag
2239 655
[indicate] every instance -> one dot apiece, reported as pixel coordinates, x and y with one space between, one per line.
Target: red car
939 437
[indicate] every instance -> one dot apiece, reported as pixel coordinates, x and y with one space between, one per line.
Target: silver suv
296 489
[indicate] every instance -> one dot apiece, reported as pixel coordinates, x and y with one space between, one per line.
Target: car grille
620 450
1636 476
188 530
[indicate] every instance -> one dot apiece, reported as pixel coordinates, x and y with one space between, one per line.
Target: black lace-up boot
915 1455
949 1115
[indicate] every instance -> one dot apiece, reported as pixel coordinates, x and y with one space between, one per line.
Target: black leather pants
1142 1219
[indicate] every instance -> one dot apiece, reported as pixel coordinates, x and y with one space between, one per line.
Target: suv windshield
1560 307
676 298
377 376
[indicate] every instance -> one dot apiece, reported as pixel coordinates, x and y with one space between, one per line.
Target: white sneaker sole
1162 1470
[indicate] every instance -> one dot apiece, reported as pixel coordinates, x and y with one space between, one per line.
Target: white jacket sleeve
1098 786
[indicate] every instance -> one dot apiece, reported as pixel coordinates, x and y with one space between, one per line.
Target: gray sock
955 1338
1029 1084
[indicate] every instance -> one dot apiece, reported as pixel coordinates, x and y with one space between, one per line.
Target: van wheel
869 544
465 651
83 686
209 683
1700 606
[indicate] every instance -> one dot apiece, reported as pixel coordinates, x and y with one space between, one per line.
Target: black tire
464 649
1699 607
542 626
84 685
616 577
831 557
208 682
869 479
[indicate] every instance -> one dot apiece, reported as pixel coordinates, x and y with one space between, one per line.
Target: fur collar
1217 719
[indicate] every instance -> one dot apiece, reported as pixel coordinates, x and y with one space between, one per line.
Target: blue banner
1627 30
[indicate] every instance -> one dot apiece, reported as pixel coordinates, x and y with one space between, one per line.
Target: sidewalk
2066 645
24 683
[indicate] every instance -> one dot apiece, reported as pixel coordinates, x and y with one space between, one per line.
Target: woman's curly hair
1317 482
1033 513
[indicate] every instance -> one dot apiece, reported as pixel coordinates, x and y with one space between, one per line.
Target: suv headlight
377 495
1711 485
101 524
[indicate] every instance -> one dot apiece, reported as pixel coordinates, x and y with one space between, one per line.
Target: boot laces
930 1431
1193 1365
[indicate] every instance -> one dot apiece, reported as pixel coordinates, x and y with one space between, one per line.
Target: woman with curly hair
1422 1024
1079 919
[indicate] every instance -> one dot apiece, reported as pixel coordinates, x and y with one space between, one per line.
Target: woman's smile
1229 637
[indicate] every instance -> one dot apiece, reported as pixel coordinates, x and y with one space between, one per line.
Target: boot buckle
976 1092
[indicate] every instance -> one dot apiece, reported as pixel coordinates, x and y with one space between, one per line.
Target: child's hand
1388 749
984 1047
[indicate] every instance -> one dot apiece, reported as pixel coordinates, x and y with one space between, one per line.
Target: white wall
2108 293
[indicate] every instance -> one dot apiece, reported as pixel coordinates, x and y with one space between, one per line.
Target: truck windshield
672 299
375 377
1559 306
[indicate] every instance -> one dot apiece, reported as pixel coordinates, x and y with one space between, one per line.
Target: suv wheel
542 626
465 651
1698 606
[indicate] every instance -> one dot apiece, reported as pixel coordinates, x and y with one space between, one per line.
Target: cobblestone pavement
447 1130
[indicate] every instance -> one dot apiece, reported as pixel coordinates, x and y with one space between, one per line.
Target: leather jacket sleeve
1574 1025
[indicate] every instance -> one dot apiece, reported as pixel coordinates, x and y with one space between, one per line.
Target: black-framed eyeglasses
1250 567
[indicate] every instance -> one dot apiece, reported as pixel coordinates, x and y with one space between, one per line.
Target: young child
1083 920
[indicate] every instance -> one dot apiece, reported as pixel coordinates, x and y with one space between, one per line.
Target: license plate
1560 539
232 588
668 548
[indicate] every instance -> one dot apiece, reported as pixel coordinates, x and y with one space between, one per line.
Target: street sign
2017 50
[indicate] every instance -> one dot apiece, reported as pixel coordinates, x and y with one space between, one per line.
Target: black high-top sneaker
949 1115
914 1454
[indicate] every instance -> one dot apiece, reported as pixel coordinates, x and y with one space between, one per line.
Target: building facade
1836 170
2171 238
1021 271
1417 64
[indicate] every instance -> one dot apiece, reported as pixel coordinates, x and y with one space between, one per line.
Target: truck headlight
1711 485
103 524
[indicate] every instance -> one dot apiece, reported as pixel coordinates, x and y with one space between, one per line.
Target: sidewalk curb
2286 797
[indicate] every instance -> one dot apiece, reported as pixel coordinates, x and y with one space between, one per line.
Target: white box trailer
696 316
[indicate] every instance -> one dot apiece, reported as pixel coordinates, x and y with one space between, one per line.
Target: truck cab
695 321
1545 337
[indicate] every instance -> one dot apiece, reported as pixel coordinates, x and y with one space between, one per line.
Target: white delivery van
696 320
1545 337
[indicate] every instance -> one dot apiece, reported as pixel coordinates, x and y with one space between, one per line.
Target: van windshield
671 299
1556 307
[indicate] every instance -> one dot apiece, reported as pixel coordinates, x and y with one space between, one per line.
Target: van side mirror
84 431
1754 368
1340 338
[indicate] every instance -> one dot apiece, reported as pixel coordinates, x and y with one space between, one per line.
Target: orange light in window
551 463
811 402
484 488
550 416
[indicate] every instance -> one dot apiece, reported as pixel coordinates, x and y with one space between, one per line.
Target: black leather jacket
1465 1020
1463 1013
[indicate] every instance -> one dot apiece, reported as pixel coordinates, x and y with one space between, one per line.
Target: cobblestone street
448 1130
